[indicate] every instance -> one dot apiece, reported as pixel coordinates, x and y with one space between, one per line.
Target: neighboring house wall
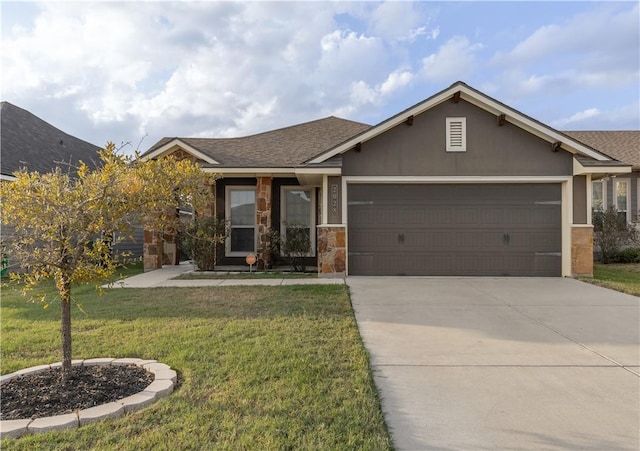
611 187
132 246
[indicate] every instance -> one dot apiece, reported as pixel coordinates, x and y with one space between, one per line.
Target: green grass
619 277
259 367
245 275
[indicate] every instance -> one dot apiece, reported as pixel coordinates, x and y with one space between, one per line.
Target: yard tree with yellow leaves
65 220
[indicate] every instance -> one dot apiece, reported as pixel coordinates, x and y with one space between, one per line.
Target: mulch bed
44 394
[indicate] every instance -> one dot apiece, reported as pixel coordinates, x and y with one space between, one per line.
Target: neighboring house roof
465 92
622 145
27 141
282 148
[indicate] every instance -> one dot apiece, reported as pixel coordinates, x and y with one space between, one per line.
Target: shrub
199 239
293 248
611 232
630 255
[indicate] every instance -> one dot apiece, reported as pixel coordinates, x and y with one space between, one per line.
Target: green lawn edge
623 277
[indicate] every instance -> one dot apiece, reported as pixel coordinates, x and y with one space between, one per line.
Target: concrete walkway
503 363
164 278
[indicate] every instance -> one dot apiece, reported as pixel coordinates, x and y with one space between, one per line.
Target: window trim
227 217
449 121
312 219
616 181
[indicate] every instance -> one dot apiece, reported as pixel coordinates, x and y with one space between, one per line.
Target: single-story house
28 142
458 184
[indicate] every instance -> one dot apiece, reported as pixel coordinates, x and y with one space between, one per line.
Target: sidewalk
162 278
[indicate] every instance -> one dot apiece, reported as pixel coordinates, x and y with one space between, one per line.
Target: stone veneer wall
263 221
582 251
153 248
331 251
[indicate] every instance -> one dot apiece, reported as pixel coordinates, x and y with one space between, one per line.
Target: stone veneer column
582 251
170 249
153 248
331 251
263 221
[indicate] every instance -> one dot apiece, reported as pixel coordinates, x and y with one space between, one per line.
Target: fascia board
277 172
579 169
319 171
160 151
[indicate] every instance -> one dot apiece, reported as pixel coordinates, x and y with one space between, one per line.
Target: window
622 200
298 209
241 216
456 134
598 195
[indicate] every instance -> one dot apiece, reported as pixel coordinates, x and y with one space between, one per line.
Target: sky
134 72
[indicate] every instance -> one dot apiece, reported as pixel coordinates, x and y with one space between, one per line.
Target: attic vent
456 134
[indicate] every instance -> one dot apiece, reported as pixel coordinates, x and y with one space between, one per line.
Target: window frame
312 213
616 182
227 215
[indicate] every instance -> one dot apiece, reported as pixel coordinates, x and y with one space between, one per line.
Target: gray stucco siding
580 199
492 150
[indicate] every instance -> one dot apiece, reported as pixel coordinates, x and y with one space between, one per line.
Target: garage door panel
454 230
446 264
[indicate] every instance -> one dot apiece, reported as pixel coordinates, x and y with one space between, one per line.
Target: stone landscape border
164 381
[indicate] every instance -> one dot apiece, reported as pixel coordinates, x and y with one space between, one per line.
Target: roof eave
580 169
170 146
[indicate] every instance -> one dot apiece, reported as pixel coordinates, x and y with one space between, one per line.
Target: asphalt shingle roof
622 145
26 141
284 147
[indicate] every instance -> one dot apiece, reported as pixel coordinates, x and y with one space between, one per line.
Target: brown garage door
485 229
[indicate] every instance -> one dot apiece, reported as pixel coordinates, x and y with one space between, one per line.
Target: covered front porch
258 206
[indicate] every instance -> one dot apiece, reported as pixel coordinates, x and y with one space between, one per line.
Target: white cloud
454 60
625 117
597 48
577 117
402 21
225 68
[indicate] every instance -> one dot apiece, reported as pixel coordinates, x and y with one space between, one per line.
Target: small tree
293 247
200 239
610 232
63 222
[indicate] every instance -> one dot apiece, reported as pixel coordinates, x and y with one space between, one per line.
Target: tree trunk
64 288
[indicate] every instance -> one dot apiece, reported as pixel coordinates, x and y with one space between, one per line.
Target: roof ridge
264 132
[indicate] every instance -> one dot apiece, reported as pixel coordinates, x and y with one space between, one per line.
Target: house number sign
334 199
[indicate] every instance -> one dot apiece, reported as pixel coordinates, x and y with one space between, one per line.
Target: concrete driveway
503 363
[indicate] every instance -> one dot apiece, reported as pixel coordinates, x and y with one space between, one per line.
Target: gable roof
623 145
282 148
26 141
480 100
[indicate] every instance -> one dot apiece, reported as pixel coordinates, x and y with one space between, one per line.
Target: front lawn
259 367
620 277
